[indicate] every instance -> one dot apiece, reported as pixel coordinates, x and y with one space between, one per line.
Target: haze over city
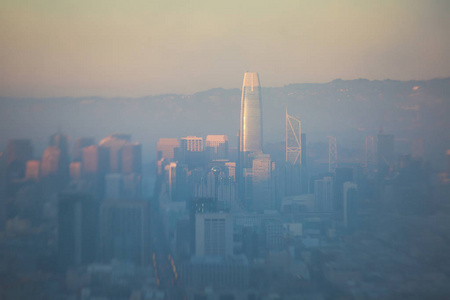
203 150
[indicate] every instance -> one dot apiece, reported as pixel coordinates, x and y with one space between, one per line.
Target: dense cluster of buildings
230 223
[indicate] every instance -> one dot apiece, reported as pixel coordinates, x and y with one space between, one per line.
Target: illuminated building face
251 114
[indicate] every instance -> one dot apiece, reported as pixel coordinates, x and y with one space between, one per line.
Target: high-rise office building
132 170
191 144
323 194
33 170
251 135
51 159
342 175
213 234
191 152
196 206
292 176
165 148
250 141
77 229
18 152
293 140
261 175
78 145
170 171
182 184
304 166
75 170
61 141
115 143
231 166
95 165
95 160
125 231
90 157
350 194
114 186
131 158
217 146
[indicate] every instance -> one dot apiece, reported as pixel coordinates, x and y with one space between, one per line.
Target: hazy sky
142 47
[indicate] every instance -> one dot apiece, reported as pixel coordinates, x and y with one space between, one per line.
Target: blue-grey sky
139 47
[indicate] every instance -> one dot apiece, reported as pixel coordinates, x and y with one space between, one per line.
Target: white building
213 234
191 143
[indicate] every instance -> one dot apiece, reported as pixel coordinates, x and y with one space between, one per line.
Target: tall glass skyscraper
250 135
251 115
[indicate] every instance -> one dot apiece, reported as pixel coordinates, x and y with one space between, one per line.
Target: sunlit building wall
75 170
50 161
191 144
251 114
132 158
78 146
32 170
170 171
114 143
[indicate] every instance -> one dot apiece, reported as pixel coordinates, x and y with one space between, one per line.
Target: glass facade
251 114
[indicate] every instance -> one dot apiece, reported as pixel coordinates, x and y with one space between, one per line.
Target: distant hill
349 110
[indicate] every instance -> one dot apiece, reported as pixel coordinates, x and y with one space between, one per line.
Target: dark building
216 147
132 158
125 231
18 152
250 242
132 170
182 191
293 176
77 229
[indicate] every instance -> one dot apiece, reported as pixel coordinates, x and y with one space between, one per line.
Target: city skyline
126 173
